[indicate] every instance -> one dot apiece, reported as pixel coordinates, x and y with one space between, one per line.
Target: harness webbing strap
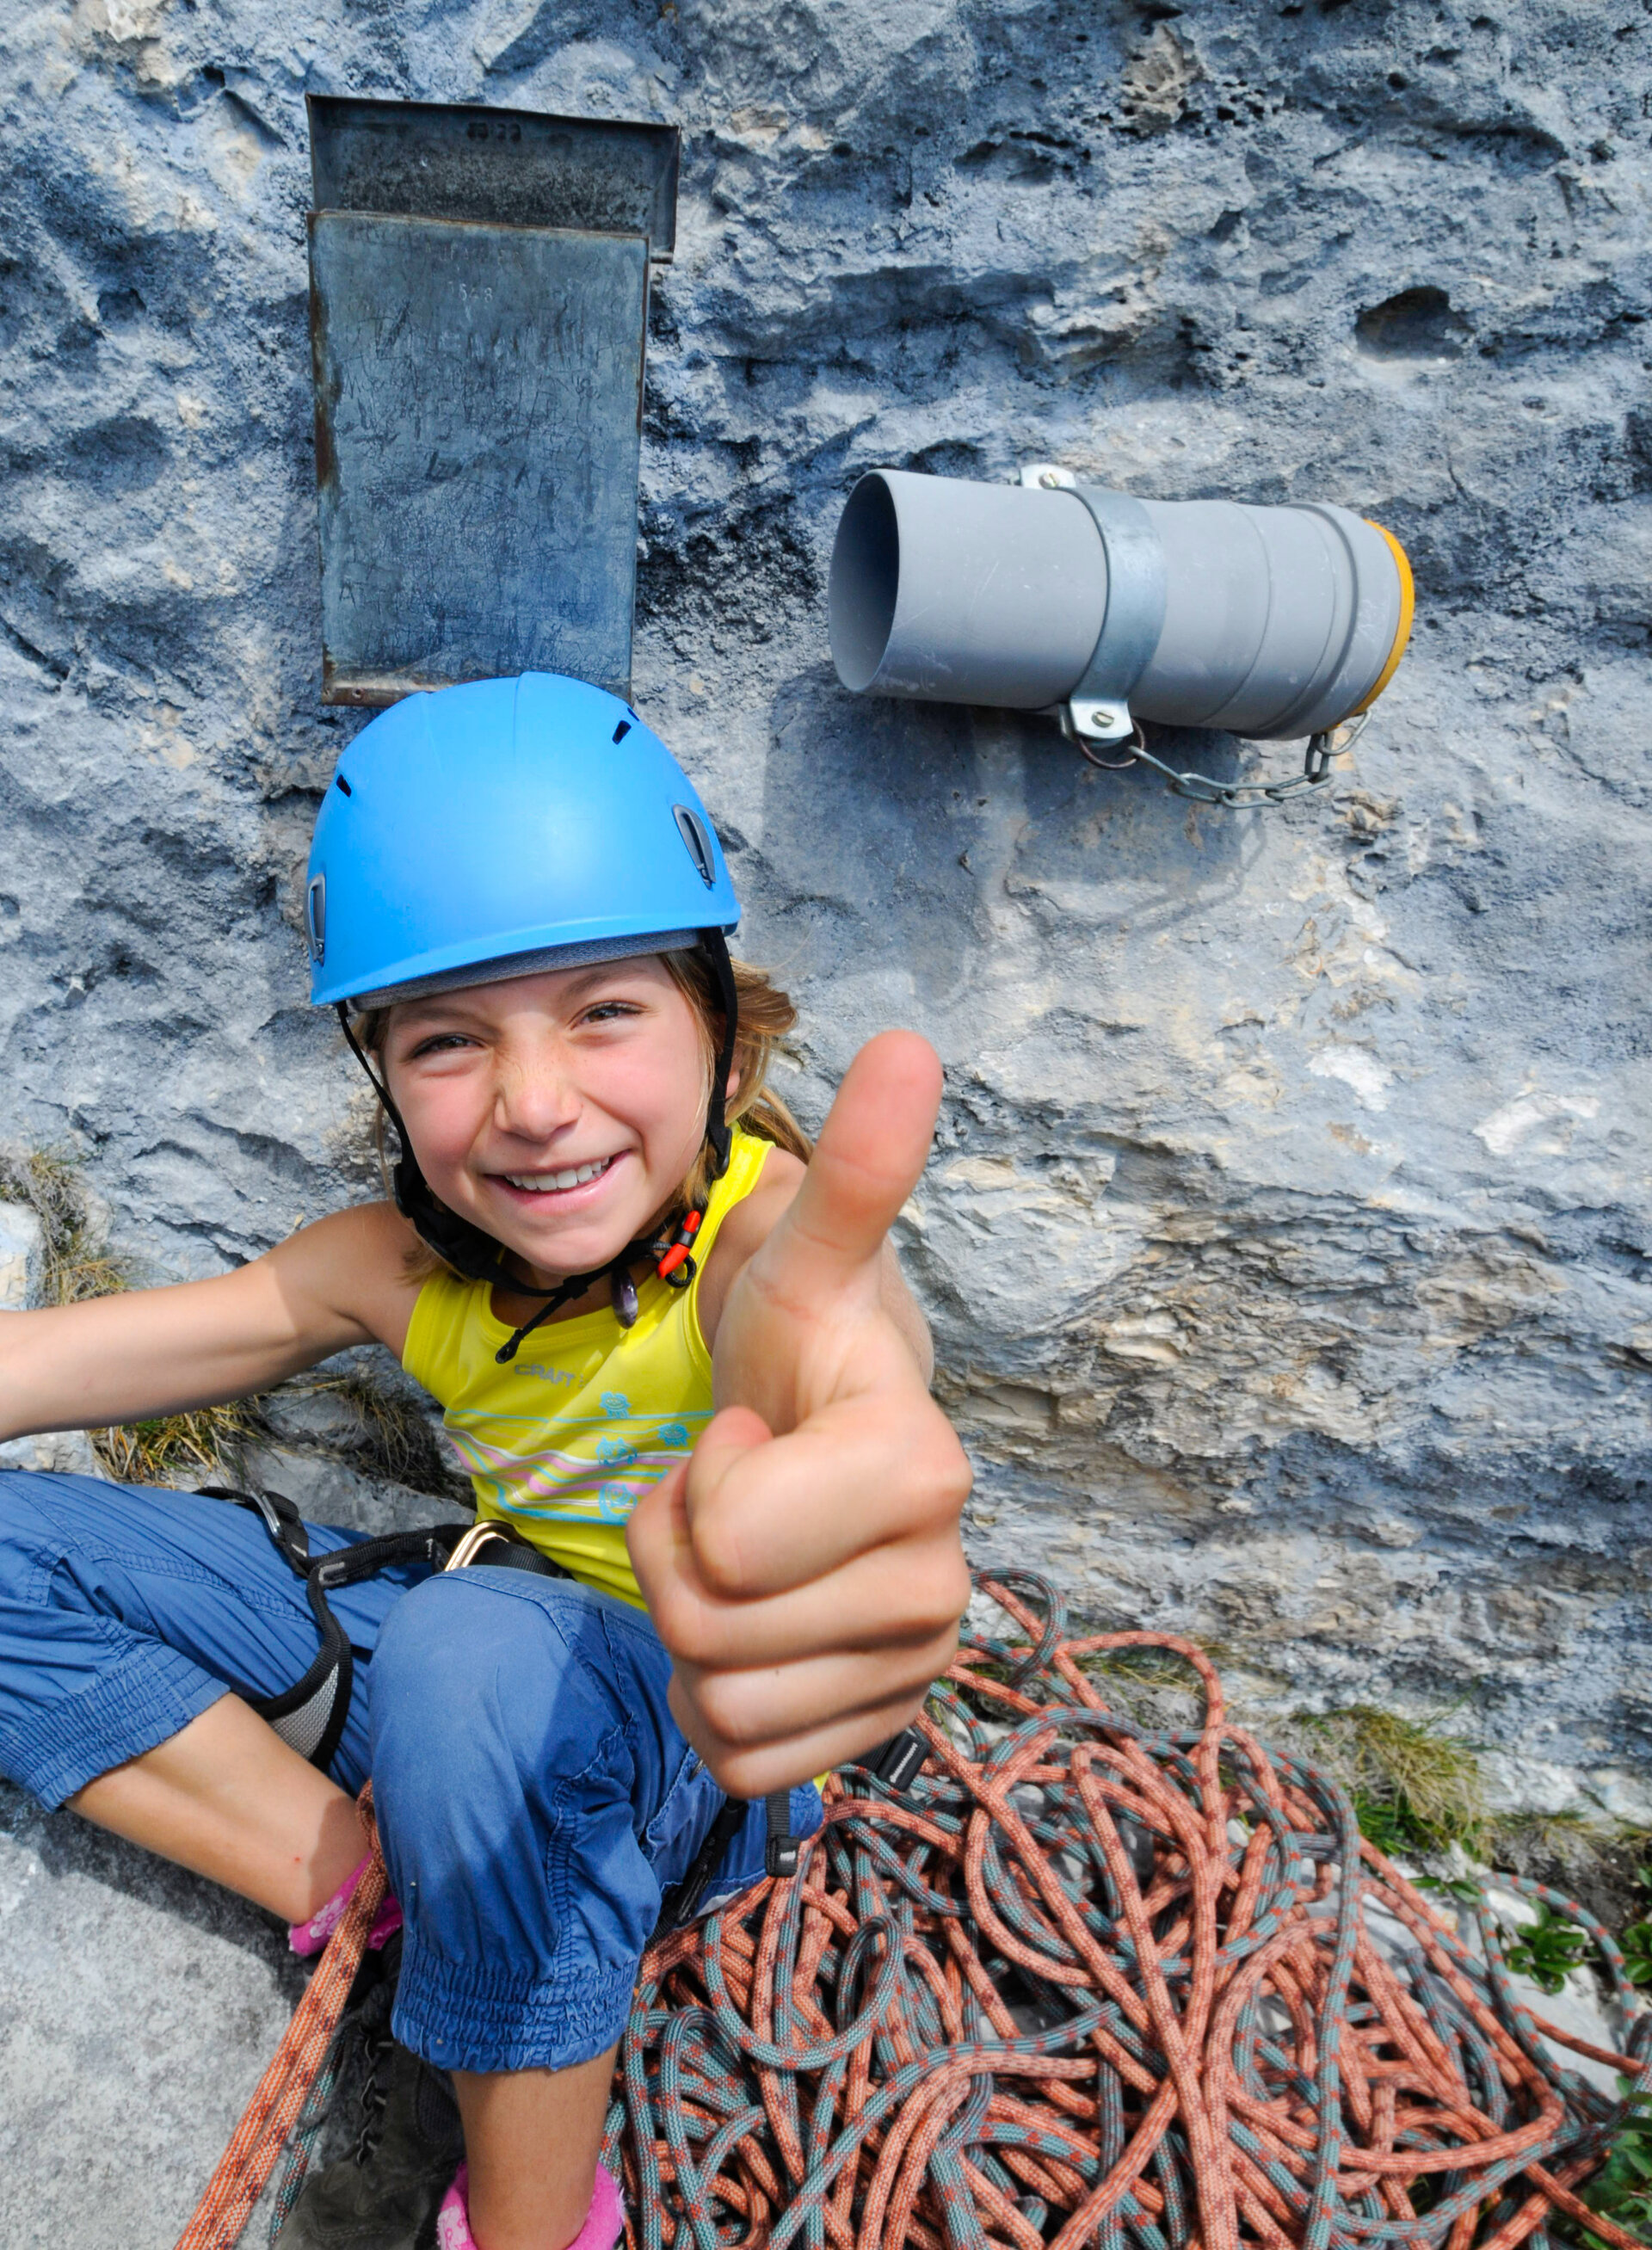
310 1714
681 1902
780 1847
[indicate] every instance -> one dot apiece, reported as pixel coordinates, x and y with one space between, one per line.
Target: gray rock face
142 2007
22 1255
1287 1241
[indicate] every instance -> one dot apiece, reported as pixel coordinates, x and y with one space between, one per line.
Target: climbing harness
310 1714
1082 1981
1317 771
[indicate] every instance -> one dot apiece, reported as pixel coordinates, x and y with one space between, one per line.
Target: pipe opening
863 582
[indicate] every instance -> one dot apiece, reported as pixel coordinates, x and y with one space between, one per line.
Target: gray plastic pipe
1268 621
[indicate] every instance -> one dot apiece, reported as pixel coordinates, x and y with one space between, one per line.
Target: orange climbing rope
1085 1983
1082 1982
221 2216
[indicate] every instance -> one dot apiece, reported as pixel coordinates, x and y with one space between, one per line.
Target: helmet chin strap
715 947
478 1256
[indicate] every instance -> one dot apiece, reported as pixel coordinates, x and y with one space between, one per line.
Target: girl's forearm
144 1352
82 1367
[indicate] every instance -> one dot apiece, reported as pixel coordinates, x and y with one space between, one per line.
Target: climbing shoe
385 2193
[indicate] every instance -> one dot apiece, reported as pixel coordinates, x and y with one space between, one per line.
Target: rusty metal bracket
479 293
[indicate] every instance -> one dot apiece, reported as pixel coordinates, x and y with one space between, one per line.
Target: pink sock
307 1938
604 2221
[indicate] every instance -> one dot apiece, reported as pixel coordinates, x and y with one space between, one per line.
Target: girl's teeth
544 1183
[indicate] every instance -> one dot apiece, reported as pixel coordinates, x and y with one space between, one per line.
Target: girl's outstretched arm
805 1567
157 1351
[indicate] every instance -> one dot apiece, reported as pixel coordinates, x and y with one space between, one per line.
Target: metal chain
1235 796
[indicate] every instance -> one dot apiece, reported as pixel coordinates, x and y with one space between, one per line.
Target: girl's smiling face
560 1112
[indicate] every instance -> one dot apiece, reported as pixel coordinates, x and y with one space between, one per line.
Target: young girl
752 1503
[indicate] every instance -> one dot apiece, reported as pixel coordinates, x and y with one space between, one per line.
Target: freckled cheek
443 1122
659 1097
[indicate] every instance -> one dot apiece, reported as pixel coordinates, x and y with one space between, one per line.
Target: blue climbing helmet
506 826
498 829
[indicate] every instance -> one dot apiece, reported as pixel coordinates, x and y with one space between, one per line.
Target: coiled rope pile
1081 1982
1088 1983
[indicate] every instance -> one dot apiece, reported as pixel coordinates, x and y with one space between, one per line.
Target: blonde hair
767 1015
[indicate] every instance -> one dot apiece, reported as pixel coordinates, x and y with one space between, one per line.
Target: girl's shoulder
363 1264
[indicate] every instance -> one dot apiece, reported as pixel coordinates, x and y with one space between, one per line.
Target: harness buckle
780 1856
898 1762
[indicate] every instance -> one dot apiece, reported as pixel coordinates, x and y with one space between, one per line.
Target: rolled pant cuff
457 2019
141 1701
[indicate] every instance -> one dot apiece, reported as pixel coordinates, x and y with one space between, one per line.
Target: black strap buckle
780 1850
898 1762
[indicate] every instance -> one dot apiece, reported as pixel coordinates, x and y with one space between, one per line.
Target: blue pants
534 1797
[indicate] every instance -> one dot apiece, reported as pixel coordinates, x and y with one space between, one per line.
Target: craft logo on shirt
545 1374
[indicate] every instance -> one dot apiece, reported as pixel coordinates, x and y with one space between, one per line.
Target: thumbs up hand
805 1568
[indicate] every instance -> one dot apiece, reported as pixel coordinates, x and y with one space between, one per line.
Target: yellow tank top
564 1440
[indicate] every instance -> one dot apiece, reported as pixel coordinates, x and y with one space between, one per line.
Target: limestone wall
1287 1238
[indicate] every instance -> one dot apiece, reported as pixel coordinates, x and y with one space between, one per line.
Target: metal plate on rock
478 419
437 159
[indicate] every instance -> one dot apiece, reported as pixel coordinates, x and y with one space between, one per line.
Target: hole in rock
1417 324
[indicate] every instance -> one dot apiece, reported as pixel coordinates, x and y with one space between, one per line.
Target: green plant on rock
1391 1826
78 1266
1414 1787
1636 1940
1622 2189
1548 1949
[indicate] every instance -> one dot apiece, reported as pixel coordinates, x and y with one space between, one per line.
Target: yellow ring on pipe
1407 611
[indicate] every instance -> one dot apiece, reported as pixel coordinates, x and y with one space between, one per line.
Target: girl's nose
533 1096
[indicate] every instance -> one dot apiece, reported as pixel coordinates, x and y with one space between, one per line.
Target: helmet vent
697 837
622 730
315 914
345 785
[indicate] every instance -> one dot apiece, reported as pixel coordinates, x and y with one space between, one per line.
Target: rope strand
277 2104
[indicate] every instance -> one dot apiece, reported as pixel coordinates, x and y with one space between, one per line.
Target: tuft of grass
1587 1856
165 1446
1414 1787
387 1434
1148 1687
78 1265
393 1436
1143 1668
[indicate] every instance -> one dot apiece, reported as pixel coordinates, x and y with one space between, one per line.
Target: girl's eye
440 1043
609 1011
